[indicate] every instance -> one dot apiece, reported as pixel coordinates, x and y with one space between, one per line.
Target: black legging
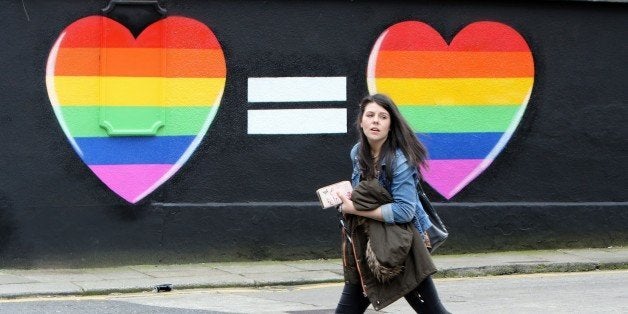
423 299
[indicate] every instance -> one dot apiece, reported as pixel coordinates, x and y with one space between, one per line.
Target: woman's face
375 123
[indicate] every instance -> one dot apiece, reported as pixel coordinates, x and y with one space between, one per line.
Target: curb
527 269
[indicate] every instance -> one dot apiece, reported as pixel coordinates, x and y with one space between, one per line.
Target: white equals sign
295 90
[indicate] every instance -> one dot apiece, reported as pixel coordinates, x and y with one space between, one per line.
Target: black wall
561 181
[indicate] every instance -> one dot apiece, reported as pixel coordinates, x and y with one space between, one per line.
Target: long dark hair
400 136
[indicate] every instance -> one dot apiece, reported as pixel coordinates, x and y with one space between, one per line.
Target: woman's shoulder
400 157
402 163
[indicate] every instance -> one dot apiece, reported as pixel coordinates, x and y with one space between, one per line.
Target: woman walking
389 153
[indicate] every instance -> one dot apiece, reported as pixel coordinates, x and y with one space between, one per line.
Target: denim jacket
406 206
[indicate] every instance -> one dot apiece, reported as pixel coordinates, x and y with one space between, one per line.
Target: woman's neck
376 148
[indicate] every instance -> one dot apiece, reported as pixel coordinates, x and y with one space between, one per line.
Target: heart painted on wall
464 99
135 109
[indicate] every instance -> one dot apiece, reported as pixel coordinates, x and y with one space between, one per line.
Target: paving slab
184 272
252 268
174 267
609 255
8 279
83 274
327 264
39 288
294 277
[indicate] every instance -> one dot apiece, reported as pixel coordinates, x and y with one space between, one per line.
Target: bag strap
419 187
429 209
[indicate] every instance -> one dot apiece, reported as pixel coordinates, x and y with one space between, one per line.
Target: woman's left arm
403 190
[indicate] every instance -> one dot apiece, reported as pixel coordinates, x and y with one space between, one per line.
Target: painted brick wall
228 115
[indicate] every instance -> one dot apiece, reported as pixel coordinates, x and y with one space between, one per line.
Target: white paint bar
297 121
297 89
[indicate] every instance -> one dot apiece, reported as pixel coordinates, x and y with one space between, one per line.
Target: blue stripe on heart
133 150
472 145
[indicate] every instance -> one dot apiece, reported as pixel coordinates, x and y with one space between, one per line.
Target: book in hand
328 195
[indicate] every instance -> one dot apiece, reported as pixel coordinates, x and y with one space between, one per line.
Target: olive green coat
379 251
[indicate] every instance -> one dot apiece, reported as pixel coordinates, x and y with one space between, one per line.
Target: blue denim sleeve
387 213
355 175
403 189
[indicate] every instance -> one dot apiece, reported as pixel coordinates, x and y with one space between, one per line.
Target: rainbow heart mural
466 98
135 109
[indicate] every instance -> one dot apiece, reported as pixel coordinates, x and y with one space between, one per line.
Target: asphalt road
587 292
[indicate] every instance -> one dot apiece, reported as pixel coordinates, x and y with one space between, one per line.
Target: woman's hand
347 208
347 205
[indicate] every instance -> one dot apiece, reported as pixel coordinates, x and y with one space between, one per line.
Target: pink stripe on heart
449 176
133 182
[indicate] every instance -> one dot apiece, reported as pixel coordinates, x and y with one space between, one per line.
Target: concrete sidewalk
24 283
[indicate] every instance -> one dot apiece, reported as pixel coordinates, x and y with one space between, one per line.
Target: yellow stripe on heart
138 91
455 91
